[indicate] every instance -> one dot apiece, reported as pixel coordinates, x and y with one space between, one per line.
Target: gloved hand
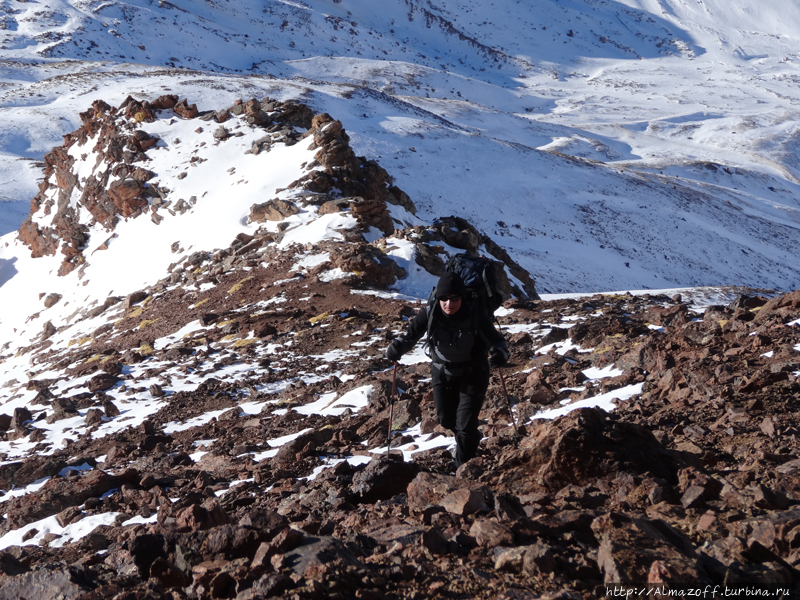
393 352
498 356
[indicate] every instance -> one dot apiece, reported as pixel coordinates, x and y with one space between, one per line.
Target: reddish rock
185 110
102 382
272 210
491 533
629 547
127 196
581 446
464 502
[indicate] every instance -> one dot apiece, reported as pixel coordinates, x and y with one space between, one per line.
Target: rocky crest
121 186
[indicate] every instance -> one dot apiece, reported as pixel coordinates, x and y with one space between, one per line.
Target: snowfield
635 144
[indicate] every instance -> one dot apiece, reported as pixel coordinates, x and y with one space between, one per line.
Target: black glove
393 352
498 356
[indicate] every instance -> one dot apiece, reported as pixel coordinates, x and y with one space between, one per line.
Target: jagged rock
382 479
63 583
127 196
94 416
51 300
537 559
102 382
464 502
133 298
629 548
431 488
406 414
145 549
62 409
69 515
60 493
315 552
48 331
491 533
582 446
370 266
21 416
372 213
272 210
185 110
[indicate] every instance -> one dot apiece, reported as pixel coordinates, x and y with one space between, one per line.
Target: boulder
490 533
316 552
272 210
62 583
629 547
580 447
382 479
126 195
102 382
432 488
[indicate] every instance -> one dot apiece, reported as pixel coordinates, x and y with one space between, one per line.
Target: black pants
458 395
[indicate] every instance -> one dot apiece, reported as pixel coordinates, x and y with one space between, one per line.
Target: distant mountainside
619 145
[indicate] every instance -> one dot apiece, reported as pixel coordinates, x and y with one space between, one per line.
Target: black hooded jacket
459 339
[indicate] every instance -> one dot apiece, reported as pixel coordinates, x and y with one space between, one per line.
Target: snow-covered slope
620 144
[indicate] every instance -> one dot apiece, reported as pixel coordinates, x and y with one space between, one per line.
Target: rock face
586 444
119 186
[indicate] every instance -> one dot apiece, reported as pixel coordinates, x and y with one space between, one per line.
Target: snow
672 121
328 404
604 401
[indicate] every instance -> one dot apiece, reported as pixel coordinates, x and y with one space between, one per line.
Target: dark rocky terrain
693 480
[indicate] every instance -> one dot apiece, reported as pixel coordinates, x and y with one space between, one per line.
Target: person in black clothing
460 337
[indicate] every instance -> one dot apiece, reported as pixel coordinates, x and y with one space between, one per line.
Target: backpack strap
486 280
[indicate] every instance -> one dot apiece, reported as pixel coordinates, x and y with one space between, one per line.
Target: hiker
460 335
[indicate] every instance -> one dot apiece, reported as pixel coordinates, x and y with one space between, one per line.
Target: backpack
484 279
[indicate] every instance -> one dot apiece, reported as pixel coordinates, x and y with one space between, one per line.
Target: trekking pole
503 383
391 409
508 401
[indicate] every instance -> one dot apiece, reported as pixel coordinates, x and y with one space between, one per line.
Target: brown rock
49 330
382 479
272 210
628 548
51 299
464 502
316 552
127 196
580 447
185 110
430 488
491 533
369 265
94 416
538 559
69 515
102 382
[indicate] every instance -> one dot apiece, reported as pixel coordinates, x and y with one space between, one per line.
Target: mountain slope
699 98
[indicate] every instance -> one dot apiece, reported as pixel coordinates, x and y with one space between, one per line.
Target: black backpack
483 279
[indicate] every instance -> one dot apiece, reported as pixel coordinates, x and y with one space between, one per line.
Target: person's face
450 304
